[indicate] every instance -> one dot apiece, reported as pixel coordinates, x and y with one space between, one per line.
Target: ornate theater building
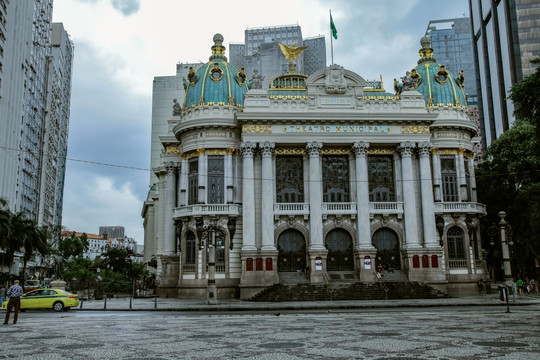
318 179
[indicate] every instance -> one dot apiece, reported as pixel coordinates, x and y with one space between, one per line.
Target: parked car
55 299
30 285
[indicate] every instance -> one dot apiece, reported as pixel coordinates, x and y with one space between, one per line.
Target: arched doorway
386 242
292 251
340 251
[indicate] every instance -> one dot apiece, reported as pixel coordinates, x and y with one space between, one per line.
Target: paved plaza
468 328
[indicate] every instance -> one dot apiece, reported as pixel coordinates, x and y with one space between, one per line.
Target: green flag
333 27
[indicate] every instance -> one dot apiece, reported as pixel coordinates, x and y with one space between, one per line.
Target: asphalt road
397 333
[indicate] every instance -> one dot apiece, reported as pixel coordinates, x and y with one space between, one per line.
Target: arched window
386 242
193 181
456 244
335 170
216 175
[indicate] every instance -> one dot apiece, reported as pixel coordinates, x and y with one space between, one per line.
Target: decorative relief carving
172 150
289 151
335 151
447 152
267 148
360 148
314 148
381 151
424 148
248 148
334 81
406 148
256 129
201 151
215 152
415 129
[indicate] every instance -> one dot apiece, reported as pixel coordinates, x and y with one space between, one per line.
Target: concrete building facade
35 87
327 177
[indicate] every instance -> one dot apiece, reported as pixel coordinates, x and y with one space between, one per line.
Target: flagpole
331 39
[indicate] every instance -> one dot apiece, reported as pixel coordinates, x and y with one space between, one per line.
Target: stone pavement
169 304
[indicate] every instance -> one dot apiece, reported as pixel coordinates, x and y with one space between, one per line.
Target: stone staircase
347 291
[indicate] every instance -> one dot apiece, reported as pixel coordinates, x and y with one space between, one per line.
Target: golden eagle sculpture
291 53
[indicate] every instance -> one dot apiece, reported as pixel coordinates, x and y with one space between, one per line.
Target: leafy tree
79 268
509 180
73 245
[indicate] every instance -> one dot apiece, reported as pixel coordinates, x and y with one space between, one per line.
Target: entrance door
387 244
340 251
292 251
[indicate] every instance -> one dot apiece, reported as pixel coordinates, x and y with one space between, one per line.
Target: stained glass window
216 176
381 179
289 179
335 170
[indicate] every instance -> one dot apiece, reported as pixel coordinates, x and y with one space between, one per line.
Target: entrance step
294 277
352 291
396 276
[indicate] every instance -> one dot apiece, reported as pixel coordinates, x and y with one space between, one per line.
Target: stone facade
325 183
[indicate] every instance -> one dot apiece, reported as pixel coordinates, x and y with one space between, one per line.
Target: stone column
462 180
409 199
184 182
170 204
267 211
203 176
437 177
248 196
472 179
229 177
363 233
315 196
426 188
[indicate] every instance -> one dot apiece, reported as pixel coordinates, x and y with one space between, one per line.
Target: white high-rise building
35 87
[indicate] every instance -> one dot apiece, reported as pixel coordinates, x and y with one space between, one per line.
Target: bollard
155 302
105 301
130 300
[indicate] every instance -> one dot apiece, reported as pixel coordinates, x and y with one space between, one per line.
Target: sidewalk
163 304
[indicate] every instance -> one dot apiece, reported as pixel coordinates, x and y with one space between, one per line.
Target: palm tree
4 224
34 239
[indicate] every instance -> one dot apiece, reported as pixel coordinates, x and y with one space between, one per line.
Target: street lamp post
505 233
208 232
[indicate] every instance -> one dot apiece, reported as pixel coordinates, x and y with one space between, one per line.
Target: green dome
435 82
216 82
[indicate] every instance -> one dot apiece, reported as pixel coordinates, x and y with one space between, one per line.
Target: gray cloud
126 7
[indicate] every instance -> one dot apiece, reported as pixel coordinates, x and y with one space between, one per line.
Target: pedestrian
2 294
14 292
520 285
481 287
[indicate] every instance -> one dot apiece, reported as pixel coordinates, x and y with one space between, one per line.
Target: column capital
406 148
359 148
424 148
170 167
314 148
267 148
248 149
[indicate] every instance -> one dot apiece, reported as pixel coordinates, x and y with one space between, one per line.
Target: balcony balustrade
291 209
460 207
207 209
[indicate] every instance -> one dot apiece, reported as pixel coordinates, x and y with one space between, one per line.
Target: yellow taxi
55 299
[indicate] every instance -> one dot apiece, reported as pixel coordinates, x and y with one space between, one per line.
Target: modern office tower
261 52
451 40
112 231
506 37
55 136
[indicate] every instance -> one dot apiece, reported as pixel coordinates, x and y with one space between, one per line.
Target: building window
193 181
219 248
449 179
468 180
335 172
381 179
456 244
190 252
289 179
216 175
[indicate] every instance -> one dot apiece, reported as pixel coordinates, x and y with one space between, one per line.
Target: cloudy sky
120 45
